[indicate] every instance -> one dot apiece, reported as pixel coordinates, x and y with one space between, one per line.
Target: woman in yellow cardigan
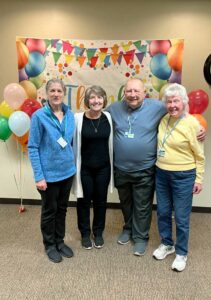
179 174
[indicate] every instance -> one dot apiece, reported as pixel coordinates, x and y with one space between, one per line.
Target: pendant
95 130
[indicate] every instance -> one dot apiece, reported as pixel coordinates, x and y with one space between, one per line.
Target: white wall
99 19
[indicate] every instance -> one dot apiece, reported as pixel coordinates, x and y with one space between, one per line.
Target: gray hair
55 80
175 89
97 90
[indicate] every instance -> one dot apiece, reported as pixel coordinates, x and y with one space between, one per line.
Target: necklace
98 123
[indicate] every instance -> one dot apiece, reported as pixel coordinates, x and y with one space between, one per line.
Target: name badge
161 152
62 142
129 135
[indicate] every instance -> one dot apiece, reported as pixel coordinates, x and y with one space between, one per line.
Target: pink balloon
159 46
36 45
14 95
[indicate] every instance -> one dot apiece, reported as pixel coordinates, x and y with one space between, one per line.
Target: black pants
54 207
95 183
136 191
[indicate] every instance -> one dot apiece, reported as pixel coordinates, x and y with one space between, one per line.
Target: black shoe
98 242
65 251
53 255
86 243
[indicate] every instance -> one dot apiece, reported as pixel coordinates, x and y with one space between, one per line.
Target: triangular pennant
58 47
54 42
68 58
104 50
127 58
93 61
119 60
140 57
47 43
143 49
106 60
114 58
137 44
90 53
81 60
132 53
67 47
115 49
56 56
78 51
102 56
46 53
126 47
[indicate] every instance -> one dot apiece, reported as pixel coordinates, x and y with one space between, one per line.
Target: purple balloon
22 75
175 77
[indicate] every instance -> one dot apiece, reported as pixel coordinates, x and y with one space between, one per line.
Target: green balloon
5 131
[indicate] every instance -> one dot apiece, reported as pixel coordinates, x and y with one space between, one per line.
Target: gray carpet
109 273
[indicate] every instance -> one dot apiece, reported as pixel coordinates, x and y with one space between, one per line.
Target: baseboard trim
73 204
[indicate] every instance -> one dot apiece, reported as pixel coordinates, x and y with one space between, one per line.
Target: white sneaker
179 263
162 251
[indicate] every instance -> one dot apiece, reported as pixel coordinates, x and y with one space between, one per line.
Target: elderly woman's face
96 102
55 94
175 106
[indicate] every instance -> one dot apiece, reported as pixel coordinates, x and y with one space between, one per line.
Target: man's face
134 93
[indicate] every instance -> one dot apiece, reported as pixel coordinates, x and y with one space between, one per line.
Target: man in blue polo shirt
135 121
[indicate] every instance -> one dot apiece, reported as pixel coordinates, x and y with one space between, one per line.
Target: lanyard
167 134
56 121
131 122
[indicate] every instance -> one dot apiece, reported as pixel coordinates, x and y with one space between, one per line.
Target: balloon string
9 155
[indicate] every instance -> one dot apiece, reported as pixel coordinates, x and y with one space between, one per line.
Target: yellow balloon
157 83
29 88
5 110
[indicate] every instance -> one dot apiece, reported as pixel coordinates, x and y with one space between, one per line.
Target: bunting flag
107 63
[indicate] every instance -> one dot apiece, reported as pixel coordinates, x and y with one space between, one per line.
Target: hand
201 135
41 185
197 188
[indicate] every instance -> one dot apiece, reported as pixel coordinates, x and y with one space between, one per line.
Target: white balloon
19 123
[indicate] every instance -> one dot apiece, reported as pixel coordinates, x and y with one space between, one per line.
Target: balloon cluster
166 62
15 113
19 99
198 103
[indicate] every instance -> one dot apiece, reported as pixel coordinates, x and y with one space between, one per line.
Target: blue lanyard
131 122
56 121
167 134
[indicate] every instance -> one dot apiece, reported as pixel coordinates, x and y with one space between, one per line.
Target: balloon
5 109
29 106
22 140
35 65
22 75
198 101
19 123
38 80
175 55
157 83
163 90
175 77
201 120
23 54
36 45
29 88
159 66
159 46
14 95
5 131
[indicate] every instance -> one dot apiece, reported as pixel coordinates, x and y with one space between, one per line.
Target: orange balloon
175 55
201 120
23 54
22 140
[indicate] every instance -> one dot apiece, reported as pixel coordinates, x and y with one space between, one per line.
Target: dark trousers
53 214
95 183
136 191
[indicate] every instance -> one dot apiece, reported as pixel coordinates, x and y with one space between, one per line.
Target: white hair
176 89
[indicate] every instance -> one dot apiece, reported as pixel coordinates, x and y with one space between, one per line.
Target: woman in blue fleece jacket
52 160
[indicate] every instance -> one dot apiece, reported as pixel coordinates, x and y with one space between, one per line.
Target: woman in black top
94 155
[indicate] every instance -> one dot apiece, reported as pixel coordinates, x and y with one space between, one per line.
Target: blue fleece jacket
49 160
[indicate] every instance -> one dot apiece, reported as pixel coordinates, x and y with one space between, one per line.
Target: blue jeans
174 191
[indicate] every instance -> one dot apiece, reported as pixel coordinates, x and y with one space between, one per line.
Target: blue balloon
35 65
159 66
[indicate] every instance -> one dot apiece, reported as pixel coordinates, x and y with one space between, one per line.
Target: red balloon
198 101
29 106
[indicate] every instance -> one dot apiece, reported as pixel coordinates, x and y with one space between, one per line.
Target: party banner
108 63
